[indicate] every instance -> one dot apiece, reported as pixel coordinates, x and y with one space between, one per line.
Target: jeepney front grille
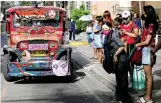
38 53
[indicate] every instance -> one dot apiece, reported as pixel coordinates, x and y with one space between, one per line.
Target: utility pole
68 9
85 4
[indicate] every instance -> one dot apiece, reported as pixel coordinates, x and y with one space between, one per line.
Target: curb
103 80
110 84
100 78
79 43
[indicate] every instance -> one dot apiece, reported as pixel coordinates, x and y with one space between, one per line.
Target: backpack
108 63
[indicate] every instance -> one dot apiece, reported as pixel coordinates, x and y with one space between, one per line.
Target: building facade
98 7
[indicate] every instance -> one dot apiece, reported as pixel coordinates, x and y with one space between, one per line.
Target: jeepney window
35 22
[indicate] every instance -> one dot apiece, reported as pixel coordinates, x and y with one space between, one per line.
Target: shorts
146 56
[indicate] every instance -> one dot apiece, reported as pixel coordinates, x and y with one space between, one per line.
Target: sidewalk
80 39
84 54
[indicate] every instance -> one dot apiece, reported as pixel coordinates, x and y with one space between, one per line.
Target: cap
126 14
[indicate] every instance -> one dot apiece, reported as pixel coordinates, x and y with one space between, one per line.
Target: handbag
136 56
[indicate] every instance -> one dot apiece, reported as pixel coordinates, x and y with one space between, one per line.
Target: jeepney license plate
38 46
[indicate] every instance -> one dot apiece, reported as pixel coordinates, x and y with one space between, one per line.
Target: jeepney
36 43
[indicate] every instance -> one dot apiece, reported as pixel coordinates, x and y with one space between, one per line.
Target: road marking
79 43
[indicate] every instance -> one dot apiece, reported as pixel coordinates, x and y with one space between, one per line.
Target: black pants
121 74
70 35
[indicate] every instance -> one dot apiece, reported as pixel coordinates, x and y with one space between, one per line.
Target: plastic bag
138 78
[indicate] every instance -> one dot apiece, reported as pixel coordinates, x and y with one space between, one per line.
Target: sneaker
115 100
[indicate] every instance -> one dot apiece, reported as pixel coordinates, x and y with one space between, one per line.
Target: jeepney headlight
52 45
23 45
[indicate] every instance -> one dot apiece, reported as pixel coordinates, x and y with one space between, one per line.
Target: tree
25 3
76 14
5 5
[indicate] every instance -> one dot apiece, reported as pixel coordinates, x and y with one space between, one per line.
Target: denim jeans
89 38
72 33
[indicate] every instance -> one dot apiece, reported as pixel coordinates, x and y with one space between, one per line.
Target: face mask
126 21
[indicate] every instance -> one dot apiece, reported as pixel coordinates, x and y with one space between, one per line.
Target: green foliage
25 3
76 14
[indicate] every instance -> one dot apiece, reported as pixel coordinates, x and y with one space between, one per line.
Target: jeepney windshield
23 21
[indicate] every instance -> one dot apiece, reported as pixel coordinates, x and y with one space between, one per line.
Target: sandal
94 58
142 100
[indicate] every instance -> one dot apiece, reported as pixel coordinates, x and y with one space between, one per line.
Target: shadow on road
79 60
157 80
104 97
52 79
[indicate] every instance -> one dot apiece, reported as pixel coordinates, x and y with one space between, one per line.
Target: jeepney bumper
39 68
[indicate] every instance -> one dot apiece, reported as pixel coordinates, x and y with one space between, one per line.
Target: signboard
37 13
38 46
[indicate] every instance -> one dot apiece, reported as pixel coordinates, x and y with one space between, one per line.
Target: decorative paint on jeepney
19 38
37 13
59 68
32 12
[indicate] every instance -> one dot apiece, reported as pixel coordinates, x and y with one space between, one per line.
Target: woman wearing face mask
129 29
129 33
147 43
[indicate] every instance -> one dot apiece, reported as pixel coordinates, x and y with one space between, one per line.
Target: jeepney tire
5 69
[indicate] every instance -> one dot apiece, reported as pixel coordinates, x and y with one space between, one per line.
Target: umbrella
86 18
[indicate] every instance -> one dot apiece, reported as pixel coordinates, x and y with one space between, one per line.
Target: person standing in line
72 31
129 34
89 32
94 24
107 17
129 29
147 43
97 38
120 60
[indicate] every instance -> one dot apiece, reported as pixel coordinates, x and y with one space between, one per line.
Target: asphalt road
84 89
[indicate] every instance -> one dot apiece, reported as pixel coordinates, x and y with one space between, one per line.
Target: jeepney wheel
5 69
